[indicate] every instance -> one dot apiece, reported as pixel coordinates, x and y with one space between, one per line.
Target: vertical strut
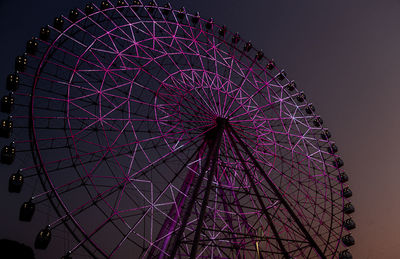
307 235
214 139
259 197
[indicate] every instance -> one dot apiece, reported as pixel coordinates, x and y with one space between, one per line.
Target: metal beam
307 235
213 137
215 142
259 197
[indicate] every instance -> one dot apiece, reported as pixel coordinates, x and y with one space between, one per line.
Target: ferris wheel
155 133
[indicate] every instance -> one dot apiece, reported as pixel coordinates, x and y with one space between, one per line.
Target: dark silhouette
13 250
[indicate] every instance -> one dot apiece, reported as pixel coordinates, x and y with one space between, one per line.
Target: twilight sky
345 55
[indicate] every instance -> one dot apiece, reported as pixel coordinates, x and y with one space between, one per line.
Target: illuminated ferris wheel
156 133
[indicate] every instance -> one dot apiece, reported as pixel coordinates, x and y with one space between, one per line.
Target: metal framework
158 133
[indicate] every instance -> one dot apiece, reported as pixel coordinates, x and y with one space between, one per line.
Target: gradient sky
345 55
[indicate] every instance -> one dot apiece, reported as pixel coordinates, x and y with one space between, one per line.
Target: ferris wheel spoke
187 109
196 102
245 135
82 208
81 155
61 64
193 103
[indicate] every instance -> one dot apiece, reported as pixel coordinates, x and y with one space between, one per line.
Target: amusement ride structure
154 133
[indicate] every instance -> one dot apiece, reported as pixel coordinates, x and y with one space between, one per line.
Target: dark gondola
58 23
346 192
44 33
318 122
151 6
348 240
6 128
326 134
89 9
338 162
222 31
345 255
15 182
342 177
291 86
73 15
31 46
167 9
7 103
8 153
236 38
332 149
26 211
301 97
209 24
349 224
43 238
259 55
271 65
20 63
310 109
248 46
348 208
281 75
196 18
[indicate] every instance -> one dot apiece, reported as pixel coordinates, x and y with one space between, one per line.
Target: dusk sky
345 55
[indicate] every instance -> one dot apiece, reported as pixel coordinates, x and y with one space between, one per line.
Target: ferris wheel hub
221 122
213 131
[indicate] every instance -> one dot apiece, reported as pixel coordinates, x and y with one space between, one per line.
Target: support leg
307 235
259 197
214 140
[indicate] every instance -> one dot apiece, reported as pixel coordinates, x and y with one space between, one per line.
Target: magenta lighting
135 130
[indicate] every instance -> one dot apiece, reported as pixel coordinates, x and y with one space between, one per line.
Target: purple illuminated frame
124 110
